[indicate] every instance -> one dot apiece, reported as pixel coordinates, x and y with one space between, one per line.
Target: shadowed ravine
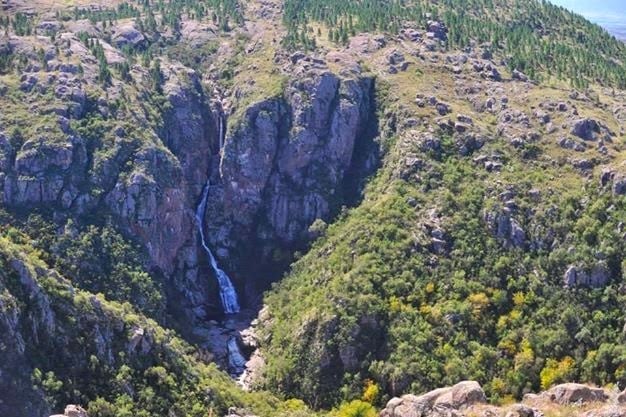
221 337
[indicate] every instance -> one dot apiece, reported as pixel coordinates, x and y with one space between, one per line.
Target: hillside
62 345
321 201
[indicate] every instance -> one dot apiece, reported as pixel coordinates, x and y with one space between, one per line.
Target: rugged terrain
437 190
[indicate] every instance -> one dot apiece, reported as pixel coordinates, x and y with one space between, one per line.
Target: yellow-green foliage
557 371
356 408
371 392
416 320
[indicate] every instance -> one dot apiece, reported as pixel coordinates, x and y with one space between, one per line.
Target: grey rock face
152 204
443 108
519 410
18 327
505 228
597 277
438 30
583 164
73 410
127 35
395 57
287 157
587 129
573 144
571 276
606 177
462 118
249 157
610 179
520 76
43 171
572 393
467 144
189 128
619 185
442 401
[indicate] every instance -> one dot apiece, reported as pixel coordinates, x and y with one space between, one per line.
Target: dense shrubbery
101 261
108 373
374 301
97 259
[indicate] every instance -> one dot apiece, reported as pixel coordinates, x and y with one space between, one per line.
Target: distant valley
609 14
618 29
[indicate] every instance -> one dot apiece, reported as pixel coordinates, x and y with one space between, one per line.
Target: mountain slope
490 245
536 37
61 345
449 176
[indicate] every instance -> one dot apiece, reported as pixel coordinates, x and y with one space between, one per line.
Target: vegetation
97 259
375 308
535 36
22 25
165 379
145 13
376 302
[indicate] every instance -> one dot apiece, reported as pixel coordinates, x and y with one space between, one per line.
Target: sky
609 13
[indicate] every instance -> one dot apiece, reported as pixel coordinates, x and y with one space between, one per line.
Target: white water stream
228 294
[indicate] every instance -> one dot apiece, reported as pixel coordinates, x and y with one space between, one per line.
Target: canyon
285 208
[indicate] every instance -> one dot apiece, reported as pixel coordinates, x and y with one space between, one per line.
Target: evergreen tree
156 76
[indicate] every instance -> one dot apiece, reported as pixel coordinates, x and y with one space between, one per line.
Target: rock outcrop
572 393
44 170
440 402
505 228
587 129
128 35
437 30
72 410
597 277
468 399
190 129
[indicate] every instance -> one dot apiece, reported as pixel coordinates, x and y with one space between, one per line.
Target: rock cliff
285 162
147 176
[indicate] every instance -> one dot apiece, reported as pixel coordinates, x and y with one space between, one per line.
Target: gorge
329 208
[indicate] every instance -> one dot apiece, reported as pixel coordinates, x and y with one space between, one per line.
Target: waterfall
236 361
221 129
227 290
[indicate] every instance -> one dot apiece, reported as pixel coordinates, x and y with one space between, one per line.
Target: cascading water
236 361
227 290
221 130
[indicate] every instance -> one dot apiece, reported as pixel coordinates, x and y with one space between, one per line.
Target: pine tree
156 76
